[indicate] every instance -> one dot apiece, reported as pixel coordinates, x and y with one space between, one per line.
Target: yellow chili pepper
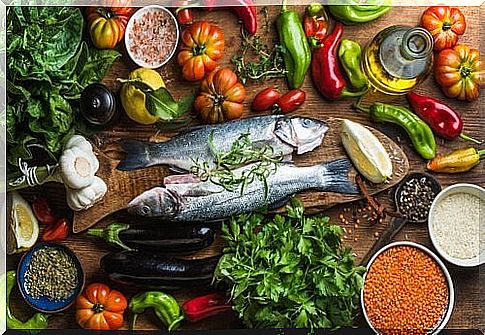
461 160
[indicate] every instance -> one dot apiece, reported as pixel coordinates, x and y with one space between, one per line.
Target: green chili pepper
356 12
37 322
420 133
297 53
350 55
165 306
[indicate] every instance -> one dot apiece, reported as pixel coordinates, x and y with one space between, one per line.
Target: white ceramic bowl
451 290
129 28
457 188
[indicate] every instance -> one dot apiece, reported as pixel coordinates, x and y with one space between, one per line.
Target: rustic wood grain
123 186
468 312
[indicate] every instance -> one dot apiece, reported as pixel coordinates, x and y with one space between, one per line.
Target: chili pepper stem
471 139
135 316
284 6
359 107
481 152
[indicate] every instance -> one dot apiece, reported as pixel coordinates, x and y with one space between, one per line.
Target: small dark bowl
44 304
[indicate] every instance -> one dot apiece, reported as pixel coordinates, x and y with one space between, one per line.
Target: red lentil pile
153 37
405 292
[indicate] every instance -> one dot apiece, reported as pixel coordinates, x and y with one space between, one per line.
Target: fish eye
145 210
307 122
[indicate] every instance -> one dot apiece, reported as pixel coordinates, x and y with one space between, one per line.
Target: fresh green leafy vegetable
242 152
48 65
160 102
257 61
289 271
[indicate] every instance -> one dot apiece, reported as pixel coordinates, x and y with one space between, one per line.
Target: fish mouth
157 202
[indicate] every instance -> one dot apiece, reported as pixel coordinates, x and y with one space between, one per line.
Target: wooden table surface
468 311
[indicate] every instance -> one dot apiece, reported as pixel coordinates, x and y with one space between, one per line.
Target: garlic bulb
78 164
84 198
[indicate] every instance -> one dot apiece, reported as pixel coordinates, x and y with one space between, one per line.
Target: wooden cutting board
123 186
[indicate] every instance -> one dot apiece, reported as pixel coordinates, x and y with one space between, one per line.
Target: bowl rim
465 263
451 290
129 26
70 253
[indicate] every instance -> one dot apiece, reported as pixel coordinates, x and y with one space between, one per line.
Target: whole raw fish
185 198
282 133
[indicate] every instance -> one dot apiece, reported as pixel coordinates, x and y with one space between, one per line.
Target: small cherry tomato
184 16
58 231
266 99
291 101
43 212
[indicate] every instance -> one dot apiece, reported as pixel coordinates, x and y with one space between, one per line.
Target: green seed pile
52 274
405 292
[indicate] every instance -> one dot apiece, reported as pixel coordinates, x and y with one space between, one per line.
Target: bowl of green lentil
407 290
50 277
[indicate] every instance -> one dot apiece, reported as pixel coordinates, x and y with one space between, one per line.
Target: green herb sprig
289 271
257 61
242 152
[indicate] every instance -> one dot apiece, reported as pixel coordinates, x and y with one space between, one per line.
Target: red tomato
291 100
266 99
43 212
100 308
445 24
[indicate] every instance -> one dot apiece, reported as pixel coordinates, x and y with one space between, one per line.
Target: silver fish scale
181 149
287 181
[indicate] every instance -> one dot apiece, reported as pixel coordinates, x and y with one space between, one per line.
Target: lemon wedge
367 153
22 225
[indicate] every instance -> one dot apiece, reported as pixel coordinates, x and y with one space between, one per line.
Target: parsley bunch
289 271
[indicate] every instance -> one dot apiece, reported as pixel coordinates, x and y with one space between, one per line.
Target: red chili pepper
266 99
315 23
58 231
244 9
43 212
205 306
326 73
444 121
291 101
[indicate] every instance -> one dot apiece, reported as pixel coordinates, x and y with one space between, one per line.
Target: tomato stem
199 49
446 26
98 308
465 71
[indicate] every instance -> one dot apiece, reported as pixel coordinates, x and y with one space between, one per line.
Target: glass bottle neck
417 43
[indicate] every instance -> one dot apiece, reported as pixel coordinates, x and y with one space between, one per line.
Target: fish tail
137 155
335 177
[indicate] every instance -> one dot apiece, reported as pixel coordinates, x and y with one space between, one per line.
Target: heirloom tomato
445 24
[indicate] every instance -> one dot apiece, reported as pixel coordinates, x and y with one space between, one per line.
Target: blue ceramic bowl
45 304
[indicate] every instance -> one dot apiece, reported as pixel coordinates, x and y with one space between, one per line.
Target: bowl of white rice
457 224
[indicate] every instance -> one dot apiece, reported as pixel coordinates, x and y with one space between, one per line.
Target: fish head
156 202
304 134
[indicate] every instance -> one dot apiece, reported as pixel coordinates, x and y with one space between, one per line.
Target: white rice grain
456 225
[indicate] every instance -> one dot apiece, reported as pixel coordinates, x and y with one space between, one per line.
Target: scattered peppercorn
405 292
416 198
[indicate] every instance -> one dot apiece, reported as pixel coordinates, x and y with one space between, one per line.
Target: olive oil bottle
398 59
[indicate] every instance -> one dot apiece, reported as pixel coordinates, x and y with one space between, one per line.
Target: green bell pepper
354 11
350 56
297 54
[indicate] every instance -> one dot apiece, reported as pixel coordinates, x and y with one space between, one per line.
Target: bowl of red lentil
151 36
407 290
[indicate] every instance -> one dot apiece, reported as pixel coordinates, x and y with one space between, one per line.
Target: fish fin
137 155
177 170
335 177
181 179
280 203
